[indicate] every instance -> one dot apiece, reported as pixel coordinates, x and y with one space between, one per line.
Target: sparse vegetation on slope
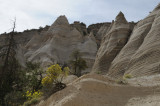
53 80
78 64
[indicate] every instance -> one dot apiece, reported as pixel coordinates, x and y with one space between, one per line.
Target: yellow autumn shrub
54 74
36 94
32 97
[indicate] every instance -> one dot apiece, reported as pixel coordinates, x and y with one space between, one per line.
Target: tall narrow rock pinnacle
120 18
61 20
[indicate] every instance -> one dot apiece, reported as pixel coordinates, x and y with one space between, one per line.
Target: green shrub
33 76
77 63
14 98
128 76
98 72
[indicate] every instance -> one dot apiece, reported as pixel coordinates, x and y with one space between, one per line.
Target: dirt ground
98 90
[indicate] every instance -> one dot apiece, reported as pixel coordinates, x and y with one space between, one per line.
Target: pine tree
78 64
9 65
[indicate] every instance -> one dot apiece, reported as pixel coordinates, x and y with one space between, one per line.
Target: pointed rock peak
120 13
61 20
157 7
120 18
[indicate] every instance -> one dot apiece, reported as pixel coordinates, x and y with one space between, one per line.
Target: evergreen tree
9 65
78 64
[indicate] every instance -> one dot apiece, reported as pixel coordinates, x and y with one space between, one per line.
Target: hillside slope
122 51
58 43
140 56
137 56
98 90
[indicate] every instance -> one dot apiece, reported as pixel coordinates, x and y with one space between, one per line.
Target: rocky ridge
127 51
112 43
139 56
59 42
123 50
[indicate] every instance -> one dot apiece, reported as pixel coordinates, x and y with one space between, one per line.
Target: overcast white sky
34 13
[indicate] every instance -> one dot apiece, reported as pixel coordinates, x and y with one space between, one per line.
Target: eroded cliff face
113 41
140 56
123 50
137 56
102 32
21 39
81 27
57 45
94 28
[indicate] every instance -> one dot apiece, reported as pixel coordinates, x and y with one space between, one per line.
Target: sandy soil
98 90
